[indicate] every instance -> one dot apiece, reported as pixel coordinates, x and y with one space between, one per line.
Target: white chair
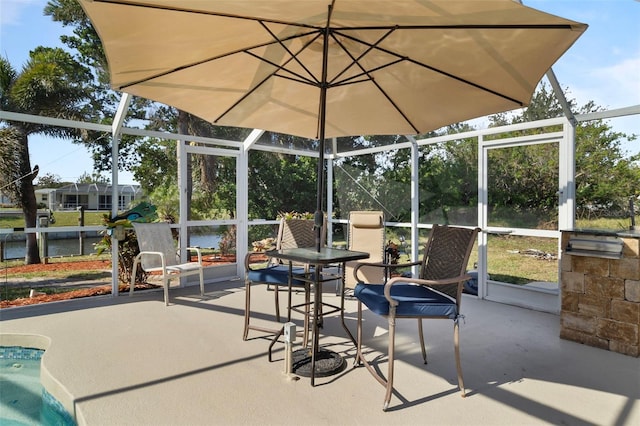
158 254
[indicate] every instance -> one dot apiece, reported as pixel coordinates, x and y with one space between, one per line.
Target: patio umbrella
321 69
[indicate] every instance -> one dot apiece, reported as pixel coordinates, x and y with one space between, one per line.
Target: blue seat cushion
276 274
414 300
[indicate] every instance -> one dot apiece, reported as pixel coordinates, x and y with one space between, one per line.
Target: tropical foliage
50 83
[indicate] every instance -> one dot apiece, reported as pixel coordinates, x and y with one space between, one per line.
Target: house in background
90 196
44 196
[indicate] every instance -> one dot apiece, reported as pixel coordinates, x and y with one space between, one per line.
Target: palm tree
53 84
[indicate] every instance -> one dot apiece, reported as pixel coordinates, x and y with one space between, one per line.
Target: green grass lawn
509 262
69 218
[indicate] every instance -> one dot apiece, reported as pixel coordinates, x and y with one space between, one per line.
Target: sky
602 66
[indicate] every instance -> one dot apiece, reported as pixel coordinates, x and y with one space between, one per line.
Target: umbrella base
328 363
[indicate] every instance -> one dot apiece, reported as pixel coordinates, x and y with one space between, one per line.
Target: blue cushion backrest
414 300
277 274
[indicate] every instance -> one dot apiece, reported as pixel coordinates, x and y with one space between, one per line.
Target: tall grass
615 224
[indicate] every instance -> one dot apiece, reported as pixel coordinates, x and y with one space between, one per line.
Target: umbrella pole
319 214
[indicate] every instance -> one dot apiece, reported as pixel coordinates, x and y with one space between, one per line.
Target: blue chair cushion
471 285
414 300
276 274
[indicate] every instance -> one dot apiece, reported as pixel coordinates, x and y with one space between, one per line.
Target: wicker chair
158 254
435 295
292 233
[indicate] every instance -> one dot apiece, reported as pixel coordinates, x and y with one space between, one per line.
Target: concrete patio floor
132 361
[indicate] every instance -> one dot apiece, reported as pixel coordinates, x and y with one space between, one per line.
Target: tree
279 182
605 177
95 177
85 40
49 180
53 84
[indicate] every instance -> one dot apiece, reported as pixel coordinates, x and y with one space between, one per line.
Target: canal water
71 246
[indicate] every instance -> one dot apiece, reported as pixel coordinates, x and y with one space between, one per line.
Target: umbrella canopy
322 68
389 67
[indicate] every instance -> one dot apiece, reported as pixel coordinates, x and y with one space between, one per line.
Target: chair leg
165 284
133 277
247 313
392 341
360 359
276 292
340 282
456 342
247 307
421 333
289 302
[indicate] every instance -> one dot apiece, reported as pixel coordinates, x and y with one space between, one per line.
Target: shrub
127 251
127 248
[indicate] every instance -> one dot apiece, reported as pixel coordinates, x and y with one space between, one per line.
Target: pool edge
50 383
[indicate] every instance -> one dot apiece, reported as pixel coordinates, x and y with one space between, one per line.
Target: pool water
23 400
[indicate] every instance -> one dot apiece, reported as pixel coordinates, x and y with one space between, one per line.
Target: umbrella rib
354 60
395 106
206 12
203 61
249 92
365 72
294 56
321 27
303 81
436 70
300 78
464 27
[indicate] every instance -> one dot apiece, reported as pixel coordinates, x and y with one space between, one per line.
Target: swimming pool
23 399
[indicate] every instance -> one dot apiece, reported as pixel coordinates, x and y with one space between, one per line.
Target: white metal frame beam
116 129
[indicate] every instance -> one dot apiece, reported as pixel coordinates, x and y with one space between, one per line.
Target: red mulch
74 294
91 265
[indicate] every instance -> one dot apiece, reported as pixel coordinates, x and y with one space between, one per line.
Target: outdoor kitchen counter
600 289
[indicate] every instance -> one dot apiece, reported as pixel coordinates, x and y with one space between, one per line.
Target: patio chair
158 254
292 233
366 233
436 294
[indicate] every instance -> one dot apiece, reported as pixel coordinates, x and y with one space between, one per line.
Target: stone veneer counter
600 294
